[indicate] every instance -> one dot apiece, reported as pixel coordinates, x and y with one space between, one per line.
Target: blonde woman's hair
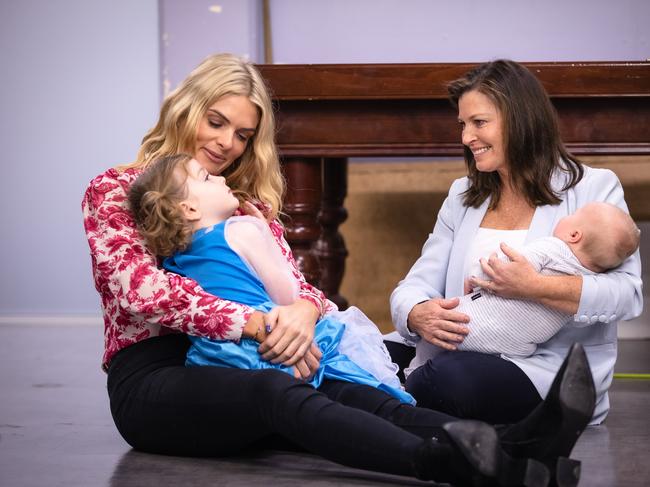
256 174
155 200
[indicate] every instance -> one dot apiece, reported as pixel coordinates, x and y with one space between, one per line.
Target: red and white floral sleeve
137 296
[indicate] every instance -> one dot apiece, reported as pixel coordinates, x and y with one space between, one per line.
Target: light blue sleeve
427 277
616 294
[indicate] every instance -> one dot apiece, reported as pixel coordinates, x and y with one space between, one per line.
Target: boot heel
567 472
523 472
536 475
479 446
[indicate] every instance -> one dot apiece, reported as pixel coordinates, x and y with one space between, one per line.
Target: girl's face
209 195
224 132
482 128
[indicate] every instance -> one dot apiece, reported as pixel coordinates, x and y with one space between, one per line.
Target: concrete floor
56 428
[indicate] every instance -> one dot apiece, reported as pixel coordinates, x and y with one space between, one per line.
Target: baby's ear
575 236
190 210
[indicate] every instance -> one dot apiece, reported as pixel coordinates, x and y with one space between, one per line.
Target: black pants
474 385
161 406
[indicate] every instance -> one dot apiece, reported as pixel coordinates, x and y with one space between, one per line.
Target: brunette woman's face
482 127
224 132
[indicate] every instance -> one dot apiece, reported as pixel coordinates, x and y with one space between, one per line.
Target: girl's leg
474 385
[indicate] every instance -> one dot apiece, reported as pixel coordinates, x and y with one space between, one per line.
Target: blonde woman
221 115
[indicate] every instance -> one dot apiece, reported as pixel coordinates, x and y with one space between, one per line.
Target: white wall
392 31
79 87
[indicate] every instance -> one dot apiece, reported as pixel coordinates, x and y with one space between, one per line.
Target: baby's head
173 198
601 235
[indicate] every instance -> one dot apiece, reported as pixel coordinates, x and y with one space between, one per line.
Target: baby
594 239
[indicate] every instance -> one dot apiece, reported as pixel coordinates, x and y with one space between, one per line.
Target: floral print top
140 300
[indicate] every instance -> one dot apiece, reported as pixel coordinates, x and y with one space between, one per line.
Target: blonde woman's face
224 132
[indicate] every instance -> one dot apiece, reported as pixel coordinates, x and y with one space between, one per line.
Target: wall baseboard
51 320
637 329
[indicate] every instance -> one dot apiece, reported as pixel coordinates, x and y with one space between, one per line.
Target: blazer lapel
542 223
546 217
464 236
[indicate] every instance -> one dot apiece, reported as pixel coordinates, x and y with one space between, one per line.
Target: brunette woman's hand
467 286
437 323
514 279
292 333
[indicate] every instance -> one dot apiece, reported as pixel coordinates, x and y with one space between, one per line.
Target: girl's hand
437 323
514 279
292 333
251 210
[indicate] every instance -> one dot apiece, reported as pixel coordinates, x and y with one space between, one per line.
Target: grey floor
56 429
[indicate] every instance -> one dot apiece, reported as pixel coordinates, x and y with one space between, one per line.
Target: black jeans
161 406
474 385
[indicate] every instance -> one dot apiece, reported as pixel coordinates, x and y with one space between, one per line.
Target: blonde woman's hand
251 210
514 279
292 332
436 322
306 367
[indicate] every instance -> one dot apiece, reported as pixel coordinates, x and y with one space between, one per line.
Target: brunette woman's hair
532 145
155 200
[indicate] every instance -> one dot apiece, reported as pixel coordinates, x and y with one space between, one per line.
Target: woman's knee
269 386
440 384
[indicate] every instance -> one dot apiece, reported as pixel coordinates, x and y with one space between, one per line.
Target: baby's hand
251 210
467 286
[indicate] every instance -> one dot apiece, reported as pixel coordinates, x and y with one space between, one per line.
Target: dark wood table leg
330 247
302 204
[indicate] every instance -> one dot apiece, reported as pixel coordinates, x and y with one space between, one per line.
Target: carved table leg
330 247
301 205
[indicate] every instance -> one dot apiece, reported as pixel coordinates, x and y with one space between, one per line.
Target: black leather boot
473 457
551 430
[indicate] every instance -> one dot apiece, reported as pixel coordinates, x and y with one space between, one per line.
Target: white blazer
605 299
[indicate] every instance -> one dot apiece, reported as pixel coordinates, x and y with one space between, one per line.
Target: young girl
186 215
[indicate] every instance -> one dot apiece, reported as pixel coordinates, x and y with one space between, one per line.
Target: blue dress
211 262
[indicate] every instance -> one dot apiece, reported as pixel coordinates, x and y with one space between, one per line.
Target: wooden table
327 113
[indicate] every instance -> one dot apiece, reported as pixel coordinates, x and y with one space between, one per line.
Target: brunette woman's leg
474 385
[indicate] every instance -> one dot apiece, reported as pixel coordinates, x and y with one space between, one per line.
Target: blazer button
594 319
584 319
602 319
612 318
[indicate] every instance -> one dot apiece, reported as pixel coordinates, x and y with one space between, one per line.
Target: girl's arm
134 291
251 238
307 294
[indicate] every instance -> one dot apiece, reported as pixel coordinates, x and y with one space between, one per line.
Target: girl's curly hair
154 199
